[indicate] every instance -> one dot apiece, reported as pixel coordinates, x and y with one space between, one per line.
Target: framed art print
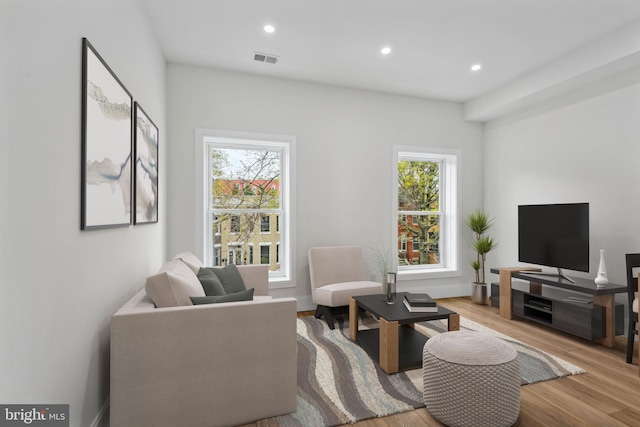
146 168
106 144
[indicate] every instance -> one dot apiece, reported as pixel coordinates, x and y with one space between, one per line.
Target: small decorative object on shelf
420 303
601 278
391 288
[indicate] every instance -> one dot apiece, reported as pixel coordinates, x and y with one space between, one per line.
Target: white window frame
205 138
450 160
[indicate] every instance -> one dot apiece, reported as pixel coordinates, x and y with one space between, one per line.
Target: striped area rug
338 383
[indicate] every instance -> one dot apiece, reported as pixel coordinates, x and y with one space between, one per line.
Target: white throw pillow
191 260
173 285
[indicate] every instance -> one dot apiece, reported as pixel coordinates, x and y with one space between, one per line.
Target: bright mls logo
34 415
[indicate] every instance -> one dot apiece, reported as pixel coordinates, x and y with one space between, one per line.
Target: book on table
420 300
420 303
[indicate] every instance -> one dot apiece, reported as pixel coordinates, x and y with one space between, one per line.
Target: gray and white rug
338 383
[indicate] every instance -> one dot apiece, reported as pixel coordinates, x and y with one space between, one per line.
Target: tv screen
554 235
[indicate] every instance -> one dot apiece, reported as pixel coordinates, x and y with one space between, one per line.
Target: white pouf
471 379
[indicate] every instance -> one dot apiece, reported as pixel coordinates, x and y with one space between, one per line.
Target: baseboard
102 419
304 303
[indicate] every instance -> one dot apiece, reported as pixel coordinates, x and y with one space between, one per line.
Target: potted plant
479 223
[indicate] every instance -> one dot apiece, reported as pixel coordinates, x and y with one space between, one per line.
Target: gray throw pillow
230 277
246 295
210 283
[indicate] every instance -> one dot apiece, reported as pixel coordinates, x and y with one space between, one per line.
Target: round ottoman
471 379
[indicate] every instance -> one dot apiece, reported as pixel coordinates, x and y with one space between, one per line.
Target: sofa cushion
246 295
191 260
210 283
173 285
230 278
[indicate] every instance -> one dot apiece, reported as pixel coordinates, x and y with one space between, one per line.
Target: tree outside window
245 195
426 208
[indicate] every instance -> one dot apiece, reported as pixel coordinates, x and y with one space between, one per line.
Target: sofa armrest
256 277
214 365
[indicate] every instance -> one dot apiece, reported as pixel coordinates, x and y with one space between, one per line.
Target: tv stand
559 275
574 305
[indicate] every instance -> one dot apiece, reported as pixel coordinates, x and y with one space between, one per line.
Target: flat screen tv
554 235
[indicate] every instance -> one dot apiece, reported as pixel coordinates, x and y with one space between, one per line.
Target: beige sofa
221 364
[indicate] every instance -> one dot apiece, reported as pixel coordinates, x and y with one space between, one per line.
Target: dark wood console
568 311
579 308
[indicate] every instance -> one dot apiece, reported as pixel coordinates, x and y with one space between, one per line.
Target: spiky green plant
479 223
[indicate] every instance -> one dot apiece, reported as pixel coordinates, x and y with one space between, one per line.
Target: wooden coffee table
396 344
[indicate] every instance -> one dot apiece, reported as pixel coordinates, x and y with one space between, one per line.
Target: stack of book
420 303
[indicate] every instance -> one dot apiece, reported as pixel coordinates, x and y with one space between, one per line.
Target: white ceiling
434 42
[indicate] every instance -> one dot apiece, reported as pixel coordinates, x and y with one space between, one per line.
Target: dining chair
633 265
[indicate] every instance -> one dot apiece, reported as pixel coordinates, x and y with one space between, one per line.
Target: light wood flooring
607 395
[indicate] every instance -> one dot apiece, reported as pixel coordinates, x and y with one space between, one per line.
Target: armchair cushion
230 278
634 306
338 294
214 299
210 283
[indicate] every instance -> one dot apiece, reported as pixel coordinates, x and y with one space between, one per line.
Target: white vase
601 277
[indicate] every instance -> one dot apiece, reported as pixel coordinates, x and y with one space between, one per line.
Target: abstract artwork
146 168
106 144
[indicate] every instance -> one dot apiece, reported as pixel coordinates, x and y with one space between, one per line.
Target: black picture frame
146 140
106 145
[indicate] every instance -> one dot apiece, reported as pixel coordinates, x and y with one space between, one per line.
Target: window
426 206
265 256
246 182
217 255
234 226
265 224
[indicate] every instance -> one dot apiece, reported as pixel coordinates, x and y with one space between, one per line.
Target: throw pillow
230 277
210 283
246 295
191 260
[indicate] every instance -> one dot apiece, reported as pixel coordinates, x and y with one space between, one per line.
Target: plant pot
479 293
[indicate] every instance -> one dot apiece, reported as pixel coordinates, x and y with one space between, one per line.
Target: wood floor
607 395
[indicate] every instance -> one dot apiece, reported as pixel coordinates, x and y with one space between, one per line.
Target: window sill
280 283
435 273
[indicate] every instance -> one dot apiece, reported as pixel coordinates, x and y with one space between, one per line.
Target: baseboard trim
100 420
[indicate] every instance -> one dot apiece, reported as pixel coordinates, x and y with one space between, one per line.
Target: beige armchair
337 273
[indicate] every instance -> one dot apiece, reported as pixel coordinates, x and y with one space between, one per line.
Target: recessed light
476 67
269 28
385 50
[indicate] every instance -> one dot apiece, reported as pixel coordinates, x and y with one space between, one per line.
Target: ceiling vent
265 57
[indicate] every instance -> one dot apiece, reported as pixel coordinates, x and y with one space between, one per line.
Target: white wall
344 156
60 285
584 152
